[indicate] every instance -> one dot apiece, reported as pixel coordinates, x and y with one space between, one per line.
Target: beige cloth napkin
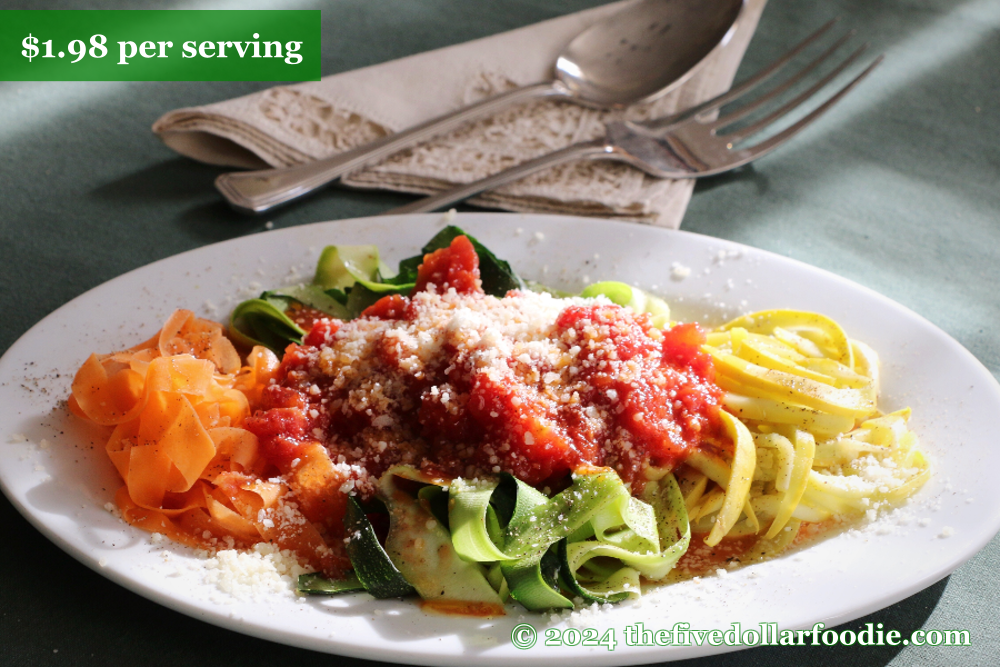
291 124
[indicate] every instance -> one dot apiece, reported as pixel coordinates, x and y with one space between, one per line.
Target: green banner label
160 45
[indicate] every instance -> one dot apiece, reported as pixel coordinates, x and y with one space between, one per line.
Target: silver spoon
633 56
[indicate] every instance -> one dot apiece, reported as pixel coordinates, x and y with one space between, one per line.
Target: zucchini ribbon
470 543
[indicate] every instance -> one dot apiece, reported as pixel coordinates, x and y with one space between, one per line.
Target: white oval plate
62 484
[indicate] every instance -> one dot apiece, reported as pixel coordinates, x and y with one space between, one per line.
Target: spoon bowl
635 55
645 51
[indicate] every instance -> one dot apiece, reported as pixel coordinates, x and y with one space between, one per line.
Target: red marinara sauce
459 383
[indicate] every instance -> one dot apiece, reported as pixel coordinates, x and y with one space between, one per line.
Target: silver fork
690 144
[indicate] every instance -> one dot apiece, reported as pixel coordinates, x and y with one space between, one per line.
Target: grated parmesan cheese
250 575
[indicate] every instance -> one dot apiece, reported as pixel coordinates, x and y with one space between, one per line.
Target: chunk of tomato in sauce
456 266
280 431
391 307
322 331
682 344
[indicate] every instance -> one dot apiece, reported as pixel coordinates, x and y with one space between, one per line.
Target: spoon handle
260 191
583 150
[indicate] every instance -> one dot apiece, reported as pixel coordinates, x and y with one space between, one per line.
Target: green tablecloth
898 189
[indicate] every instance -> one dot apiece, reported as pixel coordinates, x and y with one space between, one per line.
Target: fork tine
740 89
768 145
750 130
750 107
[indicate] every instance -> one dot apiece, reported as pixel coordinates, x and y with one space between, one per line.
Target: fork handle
259 191
583 150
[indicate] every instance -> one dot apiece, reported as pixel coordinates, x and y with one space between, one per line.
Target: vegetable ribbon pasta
176 403
800 400
799 439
